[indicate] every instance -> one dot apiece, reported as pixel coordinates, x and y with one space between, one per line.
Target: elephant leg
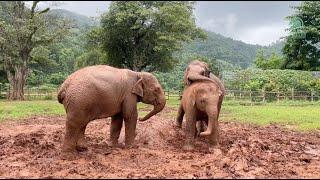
217 123
130 116
115 129
71 136
214 136
190 130
212 130
200 128
219 105
81 144
130 130
212 113
180 115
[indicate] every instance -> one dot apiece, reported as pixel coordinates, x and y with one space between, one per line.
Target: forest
75 46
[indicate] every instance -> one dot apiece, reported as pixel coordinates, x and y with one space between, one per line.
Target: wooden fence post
9 91
292 94
312 96
278 96
263 96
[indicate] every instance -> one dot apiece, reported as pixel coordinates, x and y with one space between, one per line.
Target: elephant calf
201 102
103 91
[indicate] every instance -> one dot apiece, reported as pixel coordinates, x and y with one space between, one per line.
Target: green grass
305 117
291 114
23 109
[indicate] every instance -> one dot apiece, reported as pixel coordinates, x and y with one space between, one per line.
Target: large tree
22 29
273 62
142 35
303 52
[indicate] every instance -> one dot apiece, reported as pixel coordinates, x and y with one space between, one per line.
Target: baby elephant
200 103
201 100
103 91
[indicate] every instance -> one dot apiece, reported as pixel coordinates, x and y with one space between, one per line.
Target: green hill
232 51
79 21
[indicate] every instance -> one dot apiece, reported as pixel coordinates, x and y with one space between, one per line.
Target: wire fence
40 93
36 93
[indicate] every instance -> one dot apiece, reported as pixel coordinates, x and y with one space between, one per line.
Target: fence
37 93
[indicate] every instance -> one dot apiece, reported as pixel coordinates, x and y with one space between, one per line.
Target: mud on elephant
103 91
201 102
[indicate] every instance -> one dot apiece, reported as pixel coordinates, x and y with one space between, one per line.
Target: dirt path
31 149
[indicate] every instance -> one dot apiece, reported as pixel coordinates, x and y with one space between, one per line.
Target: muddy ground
30 148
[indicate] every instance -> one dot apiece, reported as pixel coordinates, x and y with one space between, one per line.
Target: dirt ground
31 149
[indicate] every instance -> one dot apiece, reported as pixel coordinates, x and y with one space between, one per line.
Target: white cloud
223 25
87 8
263 35
245 22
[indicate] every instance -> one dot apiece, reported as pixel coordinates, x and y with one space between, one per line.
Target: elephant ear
137 88
186 82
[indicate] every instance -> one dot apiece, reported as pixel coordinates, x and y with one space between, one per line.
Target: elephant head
198 71
149 91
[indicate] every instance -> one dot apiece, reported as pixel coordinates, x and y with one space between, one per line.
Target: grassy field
298 115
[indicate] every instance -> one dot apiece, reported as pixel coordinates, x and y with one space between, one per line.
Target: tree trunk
17 82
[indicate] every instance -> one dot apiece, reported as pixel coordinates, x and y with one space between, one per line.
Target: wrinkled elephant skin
103 91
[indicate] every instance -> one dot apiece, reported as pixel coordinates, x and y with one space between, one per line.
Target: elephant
211 97
102 91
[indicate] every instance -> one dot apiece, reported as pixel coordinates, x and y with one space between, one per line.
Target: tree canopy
303 53
142 35
273 62
23 29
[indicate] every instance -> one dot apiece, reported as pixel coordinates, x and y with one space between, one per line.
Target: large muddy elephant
208 91
102 91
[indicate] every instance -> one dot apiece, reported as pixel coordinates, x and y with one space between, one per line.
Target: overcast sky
254 22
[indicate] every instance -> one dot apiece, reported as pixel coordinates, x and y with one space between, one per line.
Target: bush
272 80
57 78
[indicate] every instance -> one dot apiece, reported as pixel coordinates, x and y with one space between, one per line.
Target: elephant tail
61 96
62 92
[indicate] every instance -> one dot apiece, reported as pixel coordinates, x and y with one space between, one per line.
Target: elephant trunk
156 108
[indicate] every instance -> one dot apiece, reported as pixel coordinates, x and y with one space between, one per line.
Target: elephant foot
116 145
129 146
66 148
214 143
81 148
70 156
215 150
188 147
178 124
206 133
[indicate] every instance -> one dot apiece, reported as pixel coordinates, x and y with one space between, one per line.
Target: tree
94 54
21 31
142 35
260 60
303 53
273 62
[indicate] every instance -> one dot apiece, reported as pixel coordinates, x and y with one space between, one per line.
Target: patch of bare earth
31 149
